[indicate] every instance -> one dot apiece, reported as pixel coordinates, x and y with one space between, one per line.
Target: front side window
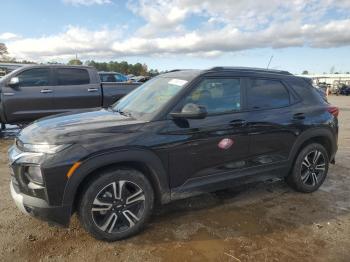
217 95
263 94
72 76
34 77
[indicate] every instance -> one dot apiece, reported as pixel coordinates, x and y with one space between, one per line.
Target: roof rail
252 69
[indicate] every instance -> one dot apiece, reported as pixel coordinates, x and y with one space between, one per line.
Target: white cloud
8 36
231 26
75 40
86 2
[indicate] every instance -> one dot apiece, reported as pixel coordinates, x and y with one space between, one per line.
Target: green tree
75 62
144 70
3 49
3 53
305 72
123 67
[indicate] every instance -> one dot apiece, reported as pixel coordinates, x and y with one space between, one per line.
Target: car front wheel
116 205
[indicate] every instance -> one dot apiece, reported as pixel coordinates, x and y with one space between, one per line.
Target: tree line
124 67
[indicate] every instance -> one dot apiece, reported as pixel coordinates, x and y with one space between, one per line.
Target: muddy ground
261 222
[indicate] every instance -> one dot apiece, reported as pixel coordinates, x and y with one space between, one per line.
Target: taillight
333 110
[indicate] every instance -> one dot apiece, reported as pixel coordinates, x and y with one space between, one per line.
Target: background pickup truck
35 91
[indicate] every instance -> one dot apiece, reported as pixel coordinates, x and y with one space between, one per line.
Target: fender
2 109
312 133
89 165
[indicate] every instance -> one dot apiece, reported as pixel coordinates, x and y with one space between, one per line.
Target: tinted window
107 78
112 78
267 94
34 77
217 95
119 78
72 76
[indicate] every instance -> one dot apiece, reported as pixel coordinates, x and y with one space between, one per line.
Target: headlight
41 148
34 174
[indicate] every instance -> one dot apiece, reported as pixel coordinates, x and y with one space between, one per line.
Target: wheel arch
144 161
323 136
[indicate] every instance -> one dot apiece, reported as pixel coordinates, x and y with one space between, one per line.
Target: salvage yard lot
260 222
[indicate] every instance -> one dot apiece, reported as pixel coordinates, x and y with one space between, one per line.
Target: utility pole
268 65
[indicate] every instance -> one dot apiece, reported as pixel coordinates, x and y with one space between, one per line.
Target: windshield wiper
124 113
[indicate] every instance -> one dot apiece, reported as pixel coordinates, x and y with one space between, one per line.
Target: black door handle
238 122
299 116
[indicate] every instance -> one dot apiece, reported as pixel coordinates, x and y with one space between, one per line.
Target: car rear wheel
116 205
310 169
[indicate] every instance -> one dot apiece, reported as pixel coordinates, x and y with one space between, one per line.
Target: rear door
273 120
75 90
32 98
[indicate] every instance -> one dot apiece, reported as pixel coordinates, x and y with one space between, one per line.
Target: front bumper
31 200
39 208
18 199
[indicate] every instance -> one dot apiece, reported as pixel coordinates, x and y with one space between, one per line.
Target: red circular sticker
225 143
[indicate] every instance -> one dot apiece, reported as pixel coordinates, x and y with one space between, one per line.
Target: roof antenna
269 62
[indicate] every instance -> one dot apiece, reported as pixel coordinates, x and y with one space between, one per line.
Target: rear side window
264 93
72 76
34 77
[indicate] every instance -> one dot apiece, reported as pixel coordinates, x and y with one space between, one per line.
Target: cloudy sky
312 35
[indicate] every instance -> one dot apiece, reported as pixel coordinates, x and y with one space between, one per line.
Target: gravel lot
261 222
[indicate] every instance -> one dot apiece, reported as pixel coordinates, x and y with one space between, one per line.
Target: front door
31 98
215 145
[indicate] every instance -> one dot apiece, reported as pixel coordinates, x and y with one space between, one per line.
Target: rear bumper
39 208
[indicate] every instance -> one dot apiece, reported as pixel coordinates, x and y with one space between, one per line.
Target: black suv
180 134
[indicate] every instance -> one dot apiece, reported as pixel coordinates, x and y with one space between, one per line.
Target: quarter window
262 94
34 77
217 95
72 76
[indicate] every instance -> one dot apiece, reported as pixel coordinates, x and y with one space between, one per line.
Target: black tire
101 195
309 179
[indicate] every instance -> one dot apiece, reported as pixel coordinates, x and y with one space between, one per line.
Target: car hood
77 127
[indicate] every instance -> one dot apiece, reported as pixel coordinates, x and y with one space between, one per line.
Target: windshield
148 99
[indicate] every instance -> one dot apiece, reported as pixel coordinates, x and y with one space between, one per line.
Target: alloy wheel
313 168
118 206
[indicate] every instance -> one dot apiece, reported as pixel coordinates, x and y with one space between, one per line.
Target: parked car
36 91
139 79
319 88
178 135
344 90
6 68
112 77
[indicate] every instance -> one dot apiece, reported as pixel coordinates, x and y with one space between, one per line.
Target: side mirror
14 82
191 111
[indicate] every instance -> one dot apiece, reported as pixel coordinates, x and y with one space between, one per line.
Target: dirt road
263 222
